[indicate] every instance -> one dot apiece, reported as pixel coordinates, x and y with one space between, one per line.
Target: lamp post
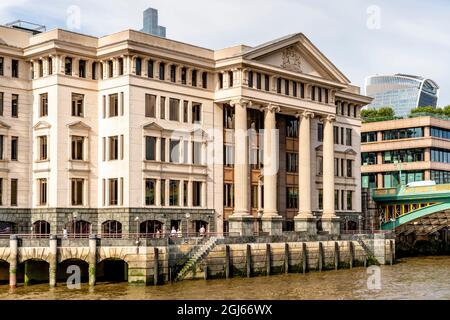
137 226
360 218
74 223
187 215
393 226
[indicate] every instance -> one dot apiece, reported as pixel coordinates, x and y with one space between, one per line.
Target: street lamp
393 226
137 226
360 218
74 222
187 215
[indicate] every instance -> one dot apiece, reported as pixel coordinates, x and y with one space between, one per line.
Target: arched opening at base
33 271
112 270
73 268
4 272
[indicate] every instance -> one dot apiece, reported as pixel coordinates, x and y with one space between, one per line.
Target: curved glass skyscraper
402 92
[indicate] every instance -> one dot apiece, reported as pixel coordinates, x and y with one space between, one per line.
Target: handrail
134 235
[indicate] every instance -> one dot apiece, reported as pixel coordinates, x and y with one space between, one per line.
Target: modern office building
150 23
131 132
401 92
397 152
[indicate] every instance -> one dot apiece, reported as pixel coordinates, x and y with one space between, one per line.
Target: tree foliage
378 113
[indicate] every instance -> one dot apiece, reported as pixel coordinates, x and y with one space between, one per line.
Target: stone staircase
369 251
197 255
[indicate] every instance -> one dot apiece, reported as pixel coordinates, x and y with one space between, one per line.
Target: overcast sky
360 37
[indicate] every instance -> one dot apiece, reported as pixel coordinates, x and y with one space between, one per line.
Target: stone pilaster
92 259
13 253
53 260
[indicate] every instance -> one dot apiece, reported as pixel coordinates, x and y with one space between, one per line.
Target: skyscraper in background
401 92
150 24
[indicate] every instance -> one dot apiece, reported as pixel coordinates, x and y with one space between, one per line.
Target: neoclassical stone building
134 132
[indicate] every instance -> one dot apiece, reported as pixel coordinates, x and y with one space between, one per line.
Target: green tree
386 112
368 113
428 109
447 110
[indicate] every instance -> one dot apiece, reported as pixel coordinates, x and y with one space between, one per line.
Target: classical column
330 222
241 222
305 221
271 221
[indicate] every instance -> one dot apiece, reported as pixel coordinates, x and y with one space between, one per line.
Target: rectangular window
313 93
320 204
336 167
196 112
174 109
150 148
185 193
266 82
163 149
14 187
302 90
342 136
292 128
196 152
150 105
1 191
292 198
138 66
120 62
185 111
194 78
319 166
205 80
162 107
336 134
14 148
94 70
250 79
150 195
349 168
173 73
320 132
68 66
326 95
278 85
228 156
77 192
174 151
42 147
15 105
77 105
163 192
42 191
286 87
43 108
196 193
349 200
82 68
319 90
258 80
336 199
77 147
342 167
348 135
1 103
113 192
291 162
2 147
185 151
113 148
1 65
254 197
14 68
183 75
220 80
162 67
174 188
294 88
150 64
228 195
113 105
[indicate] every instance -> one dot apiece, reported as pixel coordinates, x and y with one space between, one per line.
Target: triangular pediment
79 125
4 125
350 152
297 54
153 126
199 133
42 125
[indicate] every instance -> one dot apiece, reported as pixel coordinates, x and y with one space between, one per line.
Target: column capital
329 118
305 114
242 102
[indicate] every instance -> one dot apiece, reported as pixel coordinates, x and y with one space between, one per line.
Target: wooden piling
286 258
304 258
336 255
248 260
227 261
155 266
321 257
351 250
268 259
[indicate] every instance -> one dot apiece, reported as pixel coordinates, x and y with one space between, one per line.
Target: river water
409 278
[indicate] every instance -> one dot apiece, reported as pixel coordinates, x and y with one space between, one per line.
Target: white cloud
414 35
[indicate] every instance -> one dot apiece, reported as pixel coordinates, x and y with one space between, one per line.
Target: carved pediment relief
154 126
79 125
291 59
42 125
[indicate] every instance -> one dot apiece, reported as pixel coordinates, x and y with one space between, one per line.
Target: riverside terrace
146 259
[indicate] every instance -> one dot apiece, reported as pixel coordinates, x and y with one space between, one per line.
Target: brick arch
73 253
33 253
113 253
